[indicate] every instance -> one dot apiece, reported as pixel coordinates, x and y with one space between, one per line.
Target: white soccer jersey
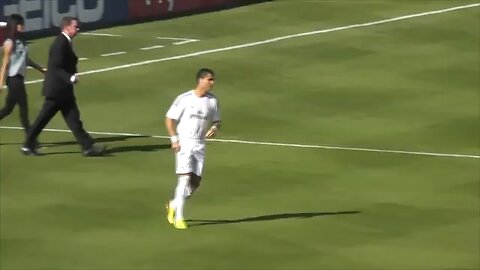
194 114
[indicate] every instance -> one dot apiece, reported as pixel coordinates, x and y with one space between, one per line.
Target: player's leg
193 184
183 160
197 168
179 200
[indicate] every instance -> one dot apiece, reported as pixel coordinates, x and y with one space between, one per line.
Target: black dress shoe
94 151
27 151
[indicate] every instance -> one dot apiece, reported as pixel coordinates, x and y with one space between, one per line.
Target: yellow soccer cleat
170 213
180 224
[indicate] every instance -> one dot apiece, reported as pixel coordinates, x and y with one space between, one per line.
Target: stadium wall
43 16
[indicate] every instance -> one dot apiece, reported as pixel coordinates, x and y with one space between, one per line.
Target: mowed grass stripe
272 40
275 144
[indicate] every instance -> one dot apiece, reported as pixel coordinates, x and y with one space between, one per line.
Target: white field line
151 47
276 144
272 40
175 38
79 59
185 42
182 40
111 54
100 34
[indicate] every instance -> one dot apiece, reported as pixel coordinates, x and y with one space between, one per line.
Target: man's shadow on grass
110 150
97 140
72 142
203 222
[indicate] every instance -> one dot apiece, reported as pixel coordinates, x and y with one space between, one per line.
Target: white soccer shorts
190 158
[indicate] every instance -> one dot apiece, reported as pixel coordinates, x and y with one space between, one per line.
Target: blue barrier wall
42 17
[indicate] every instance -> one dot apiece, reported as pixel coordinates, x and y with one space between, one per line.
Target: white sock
180 195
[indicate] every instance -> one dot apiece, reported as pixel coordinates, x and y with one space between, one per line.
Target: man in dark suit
58 92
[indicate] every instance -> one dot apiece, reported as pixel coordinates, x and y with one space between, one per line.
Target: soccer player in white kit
193 117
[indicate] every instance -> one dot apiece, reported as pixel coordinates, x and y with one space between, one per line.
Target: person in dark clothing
13 69
58 91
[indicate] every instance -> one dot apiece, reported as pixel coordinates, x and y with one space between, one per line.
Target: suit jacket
62 64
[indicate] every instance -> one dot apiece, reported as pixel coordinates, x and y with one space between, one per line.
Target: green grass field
408 85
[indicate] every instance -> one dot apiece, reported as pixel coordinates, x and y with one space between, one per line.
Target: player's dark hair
201 73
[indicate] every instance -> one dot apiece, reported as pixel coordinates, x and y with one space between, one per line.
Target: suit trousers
70 114
16 95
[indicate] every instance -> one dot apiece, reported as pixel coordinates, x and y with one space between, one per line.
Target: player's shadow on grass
138 148
203 222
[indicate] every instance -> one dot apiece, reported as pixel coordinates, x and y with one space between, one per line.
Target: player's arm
213 129
216 122
7 50
171 126
172 117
